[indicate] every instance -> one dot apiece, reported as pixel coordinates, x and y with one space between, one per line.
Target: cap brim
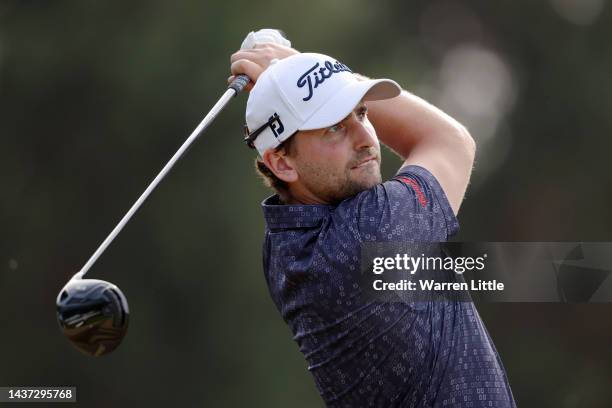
342 104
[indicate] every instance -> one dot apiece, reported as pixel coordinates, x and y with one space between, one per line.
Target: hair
268 177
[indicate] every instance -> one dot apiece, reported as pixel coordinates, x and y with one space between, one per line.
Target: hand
254 61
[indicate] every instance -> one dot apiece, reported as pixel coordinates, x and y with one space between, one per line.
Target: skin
328 165
321 167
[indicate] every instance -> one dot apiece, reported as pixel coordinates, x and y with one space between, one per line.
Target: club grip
239 83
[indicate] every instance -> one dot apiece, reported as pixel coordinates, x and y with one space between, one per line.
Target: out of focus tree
96 96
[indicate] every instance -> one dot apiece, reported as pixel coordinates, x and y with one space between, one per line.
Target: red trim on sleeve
415 186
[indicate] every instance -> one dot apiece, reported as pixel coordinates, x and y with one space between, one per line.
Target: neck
300 197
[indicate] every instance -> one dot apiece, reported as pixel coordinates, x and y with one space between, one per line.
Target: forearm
405 122
423 135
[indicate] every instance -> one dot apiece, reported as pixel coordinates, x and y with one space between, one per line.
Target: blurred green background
95 97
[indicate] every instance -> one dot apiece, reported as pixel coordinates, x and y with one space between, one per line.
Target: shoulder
411 205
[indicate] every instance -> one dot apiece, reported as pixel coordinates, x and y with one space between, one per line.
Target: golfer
317 127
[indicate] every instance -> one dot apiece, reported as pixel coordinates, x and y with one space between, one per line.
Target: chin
369 180
365 185
351 185
356 186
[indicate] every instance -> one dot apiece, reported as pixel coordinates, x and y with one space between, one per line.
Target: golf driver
93 314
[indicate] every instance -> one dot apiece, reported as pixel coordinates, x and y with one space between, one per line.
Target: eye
362 113
336 128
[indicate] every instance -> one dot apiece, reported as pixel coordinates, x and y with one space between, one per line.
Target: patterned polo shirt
363 352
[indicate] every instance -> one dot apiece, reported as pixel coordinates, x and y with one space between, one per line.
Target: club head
93 315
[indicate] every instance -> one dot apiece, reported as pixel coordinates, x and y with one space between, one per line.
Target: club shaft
216 109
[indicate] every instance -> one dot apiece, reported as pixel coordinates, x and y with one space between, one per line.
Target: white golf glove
265 35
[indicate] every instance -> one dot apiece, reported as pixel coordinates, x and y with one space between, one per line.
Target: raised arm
423 135
416 130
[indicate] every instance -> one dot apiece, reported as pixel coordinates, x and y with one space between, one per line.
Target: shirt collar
280 215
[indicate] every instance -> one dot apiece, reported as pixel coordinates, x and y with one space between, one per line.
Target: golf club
93 314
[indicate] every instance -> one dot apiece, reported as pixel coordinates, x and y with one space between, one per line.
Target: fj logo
276 125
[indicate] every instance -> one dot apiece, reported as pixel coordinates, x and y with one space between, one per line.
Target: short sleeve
410 207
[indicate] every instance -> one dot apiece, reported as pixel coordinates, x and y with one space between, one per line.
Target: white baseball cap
303 92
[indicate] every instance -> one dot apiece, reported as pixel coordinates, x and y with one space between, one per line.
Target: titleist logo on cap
315 77
308 91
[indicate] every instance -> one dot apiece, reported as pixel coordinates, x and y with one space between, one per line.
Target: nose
362 133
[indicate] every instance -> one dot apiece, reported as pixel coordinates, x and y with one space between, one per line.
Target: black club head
93 315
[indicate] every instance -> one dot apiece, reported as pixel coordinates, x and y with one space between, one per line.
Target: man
317 128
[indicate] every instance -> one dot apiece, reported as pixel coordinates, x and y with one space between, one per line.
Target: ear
281 165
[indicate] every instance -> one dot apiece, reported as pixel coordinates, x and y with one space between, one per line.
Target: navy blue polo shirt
367 353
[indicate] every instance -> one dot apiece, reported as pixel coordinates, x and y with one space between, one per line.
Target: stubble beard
334 188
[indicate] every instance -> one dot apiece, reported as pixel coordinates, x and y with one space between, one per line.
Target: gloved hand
257 51
265 35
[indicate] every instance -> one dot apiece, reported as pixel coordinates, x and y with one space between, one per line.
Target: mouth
367 161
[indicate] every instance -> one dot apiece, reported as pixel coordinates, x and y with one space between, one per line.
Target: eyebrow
359 108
